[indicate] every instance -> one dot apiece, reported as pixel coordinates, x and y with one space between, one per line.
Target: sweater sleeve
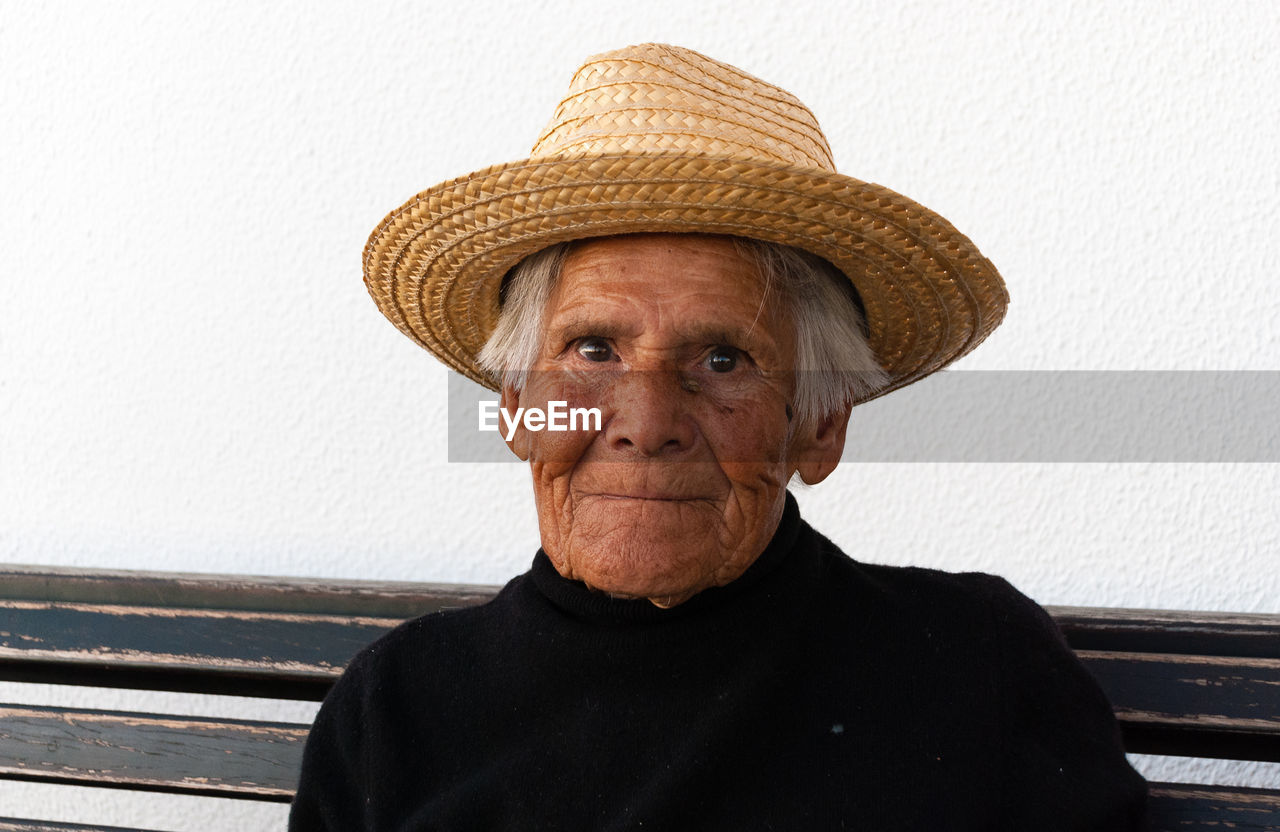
1065 767
332 785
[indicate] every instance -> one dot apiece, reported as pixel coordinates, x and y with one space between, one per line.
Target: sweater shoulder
961 592
956 601
434 640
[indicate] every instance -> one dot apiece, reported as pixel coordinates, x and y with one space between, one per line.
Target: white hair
833 363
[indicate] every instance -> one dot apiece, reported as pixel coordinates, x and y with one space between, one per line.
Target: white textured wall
192 376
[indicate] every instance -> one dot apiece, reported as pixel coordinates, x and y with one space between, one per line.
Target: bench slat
1190 808
1205 706
1250 635
153 752
122 587
171 754
18 825
1089 628
283 655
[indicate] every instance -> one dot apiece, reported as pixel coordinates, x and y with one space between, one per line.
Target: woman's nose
650 417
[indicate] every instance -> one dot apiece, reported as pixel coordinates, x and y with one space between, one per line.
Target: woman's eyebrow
748 339
718 334
577 326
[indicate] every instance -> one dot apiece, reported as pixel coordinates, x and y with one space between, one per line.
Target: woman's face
683 485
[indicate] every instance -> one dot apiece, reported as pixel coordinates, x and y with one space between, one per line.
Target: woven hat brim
435 265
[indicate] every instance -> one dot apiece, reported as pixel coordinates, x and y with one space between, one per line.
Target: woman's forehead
629 246
680 270
694 285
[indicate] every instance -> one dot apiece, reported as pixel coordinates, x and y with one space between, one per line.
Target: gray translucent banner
1020 416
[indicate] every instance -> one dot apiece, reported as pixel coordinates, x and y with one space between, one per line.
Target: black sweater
812 693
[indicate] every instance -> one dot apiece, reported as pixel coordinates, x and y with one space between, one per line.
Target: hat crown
655 98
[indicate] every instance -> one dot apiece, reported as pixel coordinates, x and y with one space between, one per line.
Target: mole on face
690 385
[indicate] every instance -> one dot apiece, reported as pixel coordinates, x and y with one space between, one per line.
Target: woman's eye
595 349
722 359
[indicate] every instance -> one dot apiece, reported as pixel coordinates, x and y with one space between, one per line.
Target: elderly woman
686 652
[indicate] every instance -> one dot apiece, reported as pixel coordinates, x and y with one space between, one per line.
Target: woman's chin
653 564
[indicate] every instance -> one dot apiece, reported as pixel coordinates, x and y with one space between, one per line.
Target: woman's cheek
750 428
577 399
560 450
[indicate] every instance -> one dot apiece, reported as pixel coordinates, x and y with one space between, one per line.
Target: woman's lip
662 498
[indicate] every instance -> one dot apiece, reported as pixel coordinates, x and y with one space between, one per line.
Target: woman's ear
817 447
510 404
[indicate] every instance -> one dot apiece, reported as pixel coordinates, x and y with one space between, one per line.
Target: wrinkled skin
681 489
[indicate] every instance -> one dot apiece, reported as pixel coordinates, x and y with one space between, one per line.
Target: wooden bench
1185 684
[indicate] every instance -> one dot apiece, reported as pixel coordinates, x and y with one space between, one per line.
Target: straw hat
656 138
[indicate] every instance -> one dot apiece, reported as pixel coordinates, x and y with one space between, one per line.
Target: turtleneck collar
574 598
